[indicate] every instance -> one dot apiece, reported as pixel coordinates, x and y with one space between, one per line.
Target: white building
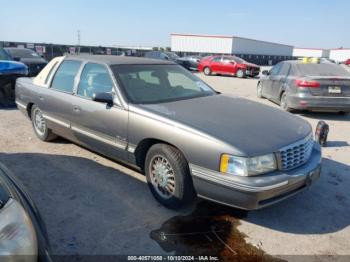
215 44
339 55
309 52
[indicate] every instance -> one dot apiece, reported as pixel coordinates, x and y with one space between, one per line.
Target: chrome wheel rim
39 122
207 71
162 176
259 90
240 73
283 102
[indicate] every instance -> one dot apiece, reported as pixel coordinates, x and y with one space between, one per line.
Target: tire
164 159
284 102
240 73
259 90
207 71
39 125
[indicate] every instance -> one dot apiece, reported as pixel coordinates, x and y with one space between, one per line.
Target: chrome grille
296 154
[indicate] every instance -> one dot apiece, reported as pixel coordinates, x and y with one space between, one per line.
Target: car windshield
3 55
151 84
172 55
22 53
238 60
322 70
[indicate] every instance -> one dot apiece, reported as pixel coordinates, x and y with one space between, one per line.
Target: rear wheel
284 103
259 90
240 73
168 176
39 125
207 71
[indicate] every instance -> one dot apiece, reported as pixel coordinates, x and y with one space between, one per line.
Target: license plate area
334 90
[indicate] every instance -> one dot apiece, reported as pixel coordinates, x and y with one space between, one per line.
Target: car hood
251 128
251 65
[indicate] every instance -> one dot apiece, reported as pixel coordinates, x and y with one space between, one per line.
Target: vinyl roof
118 60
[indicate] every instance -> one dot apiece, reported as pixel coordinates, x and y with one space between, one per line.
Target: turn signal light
304 83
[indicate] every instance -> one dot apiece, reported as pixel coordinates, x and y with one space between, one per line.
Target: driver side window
95 78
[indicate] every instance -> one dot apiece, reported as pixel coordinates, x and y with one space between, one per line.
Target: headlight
17 234
242 166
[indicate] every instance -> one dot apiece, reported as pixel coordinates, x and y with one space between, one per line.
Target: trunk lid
330 86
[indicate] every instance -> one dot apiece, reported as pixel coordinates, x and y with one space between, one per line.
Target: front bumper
318 103
259 191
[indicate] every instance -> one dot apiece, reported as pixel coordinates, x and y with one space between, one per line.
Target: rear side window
65 75
95 78
285 69
276 69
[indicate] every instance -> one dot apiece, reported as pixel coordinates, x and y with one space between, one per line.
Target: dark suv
32 59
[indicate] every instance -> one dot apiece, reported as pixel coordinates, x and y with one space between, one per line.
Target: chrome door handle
41 98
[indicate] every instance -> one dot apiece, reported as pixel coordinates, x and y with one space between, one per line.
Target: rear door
95 124
279 80
56 101
215 64
269 80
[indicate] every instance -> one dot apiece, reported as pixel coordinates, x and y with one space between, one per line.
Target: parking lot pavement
92 205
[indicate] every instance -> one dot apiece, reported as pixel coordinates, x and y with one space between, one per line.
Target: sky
311 23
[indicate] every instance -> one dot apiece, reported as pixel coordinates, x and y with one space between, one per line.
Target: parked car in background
228 65
326 60
307 86
170 56
9 71
347 62
27 56
22 230
187 138
193 62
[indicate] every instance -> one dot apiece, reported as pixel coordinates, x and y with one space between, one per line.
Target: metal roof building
217 44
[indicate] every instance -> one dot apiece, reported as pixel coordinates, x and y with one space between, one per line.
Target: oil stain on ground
211 229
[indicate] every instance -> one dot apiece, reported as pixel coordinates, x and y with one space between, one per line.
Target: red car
228 65
347 62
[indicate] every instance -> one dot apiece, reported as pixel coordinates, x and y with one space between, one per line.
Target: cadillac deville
188 139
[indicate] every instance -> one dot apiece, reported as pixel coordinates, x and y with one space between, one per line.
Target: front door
98 125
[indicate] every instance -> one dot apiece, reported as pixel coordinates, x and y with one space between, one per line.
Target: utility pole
79 38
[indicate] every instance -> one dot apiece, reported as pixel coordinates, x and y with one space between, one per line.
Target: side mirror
166 57
103 97
265 72
18 59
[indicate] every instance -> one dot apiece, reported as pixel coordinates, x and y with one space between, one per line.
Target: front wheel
168 176
39 125
240 73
